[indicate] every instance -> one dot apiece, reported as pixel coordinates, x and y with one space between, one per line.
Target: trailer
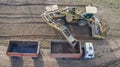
23 49
62 49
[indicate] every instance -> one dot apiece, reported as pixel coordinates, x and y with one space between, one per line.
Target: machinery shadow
67 62
16 62
38 62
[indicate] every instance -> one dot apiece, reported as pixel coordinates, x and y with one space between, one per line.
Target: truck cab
89 50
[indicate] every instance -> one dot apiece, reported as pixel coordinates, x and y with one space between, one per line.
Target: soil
107 52
63 47
23 47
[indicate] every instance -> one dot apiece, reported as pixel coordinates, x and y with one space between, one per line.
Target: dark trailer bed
23 48
62 49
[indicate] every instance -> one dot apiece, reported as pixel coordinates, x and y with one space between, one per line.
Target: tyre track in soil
113 62
28 4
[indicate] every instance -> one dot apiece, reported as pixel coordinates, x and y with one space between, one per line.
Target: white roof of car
89 48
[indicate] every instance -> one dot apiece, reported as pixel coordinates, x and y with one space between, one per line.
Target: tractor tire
82 22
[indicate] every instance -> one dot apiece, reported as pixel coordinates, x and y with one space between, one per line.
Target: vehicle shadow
38 62
68 62
16 62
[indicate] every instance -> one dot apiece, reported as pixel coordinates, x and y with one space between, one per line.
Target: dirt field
17 20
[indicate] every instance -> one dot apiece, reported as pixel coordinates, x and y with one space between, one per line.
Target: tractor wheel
82 22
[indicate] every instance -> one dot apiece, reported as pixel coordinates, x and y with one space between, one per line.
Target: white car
89 50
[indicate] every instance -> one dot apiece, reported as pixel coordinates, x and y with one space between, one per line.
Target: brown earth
107 52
